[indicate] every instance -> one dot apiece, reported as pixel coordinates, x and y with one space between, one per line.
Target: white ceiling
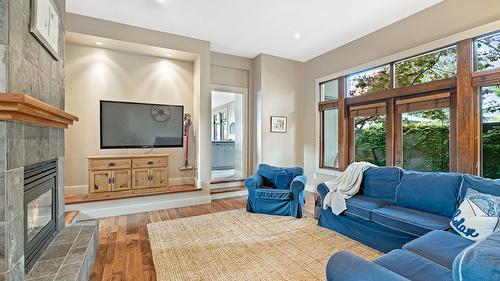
250 27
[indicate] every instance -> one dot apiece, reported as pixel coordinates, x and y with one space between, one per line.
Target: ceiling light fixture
168 54
99 43
296 35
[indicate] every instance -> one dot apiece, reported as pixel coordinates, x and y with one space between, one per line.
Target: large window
439 111
437 65
487 52
490 130
329 120
426 140
369 81
370 136
330 139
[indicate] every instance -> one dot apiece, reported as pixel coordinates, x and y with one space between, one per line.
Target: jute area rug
236 245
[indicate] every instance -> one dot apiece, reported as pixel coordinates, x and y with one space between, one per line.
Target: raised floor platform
83 198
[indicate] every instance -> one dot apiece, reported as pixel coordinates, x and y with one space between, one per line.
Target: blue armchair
276 191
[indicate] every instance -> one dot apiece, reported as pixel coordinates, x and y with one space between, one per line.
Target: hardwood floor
124 251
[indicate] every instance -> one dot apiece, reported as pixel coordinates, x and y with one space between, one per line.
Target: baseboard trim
83 189
126 206
229 194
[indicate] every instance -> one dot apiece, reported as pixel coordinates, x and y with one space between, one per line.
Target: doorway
228 134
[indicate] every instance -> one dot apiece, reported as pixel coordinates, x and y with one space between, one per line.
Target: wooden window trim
430 87
485 78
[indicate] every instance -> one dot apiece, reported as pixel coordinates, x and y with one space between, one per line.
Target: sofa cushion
413 267
362 206
381 182
480 184
273 194
410 221
430 192
480 261
438 246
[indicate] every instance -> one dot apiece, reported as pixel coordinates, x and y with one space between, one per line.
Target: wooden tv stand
126 175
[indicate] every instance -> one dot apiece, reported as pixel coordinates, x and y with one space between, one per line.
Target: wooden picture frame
45 25
279 124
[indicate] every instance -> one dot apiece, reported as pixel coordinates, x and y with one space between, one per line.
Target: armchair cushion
283 179
277 176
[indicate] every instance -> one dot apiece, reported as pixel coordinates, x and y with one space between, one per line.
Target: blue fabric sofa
395 206
406 214
276 191
437 255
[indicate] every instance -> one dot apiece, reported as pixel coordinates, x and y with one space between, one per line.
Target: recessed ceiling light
168 54
99 43
160 1
296 35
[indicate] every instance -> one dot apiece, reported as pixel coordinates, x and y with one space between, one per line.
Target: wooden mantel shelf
23 108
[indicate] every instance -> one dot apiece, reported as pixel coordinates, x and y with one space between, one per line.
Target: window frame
463 88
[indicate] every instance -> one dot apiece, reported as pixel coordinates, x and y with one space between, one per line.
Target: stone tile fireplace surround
26 67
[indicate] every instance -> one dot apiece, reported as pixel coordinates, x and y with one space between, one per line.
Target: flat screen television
140 125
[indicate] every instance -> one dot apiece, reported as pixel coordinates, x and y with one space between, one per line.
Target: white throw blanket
345 186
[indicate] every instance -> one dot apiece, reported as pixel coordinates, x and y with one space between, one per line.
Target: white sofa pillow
477 216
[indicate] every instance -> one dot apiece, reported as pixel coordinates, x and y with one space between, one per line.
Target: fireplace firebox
40 209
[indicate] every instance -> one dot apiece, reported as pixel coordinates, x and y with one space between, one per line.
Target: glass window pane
438 65
330 90
369 81
490 117
331 138
370 139
426 140
487 51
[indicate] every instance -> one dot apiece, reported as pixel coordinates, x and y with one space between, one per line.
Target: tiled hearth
70 256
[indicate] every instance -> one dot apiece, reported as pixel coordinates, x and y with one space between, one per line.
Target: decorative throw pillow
478 216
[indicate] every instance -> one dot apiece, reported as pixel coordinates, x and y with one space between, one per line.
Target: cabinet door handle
113 180
111 164
150 162
96 187
109 180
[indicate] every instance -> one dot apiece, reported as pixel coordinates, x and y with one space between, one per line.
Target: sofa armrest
254 181
322 190
298 184
344 266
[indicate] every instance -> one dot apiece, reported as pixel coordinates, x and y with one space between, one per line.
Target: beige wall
279 83
94 74
407 37
201 74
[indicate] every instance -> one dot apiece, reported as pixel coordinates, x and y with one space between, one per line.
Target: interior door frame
245 116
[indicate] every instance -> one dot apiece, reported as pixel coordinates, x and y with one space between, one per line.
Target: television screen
141 125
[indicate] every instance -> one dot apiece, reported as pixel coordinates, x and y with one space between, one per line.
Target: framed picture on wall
45 21
278 124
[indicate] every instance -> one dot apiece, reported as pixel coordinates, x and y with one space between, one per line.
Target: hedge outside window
426 140
369 134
